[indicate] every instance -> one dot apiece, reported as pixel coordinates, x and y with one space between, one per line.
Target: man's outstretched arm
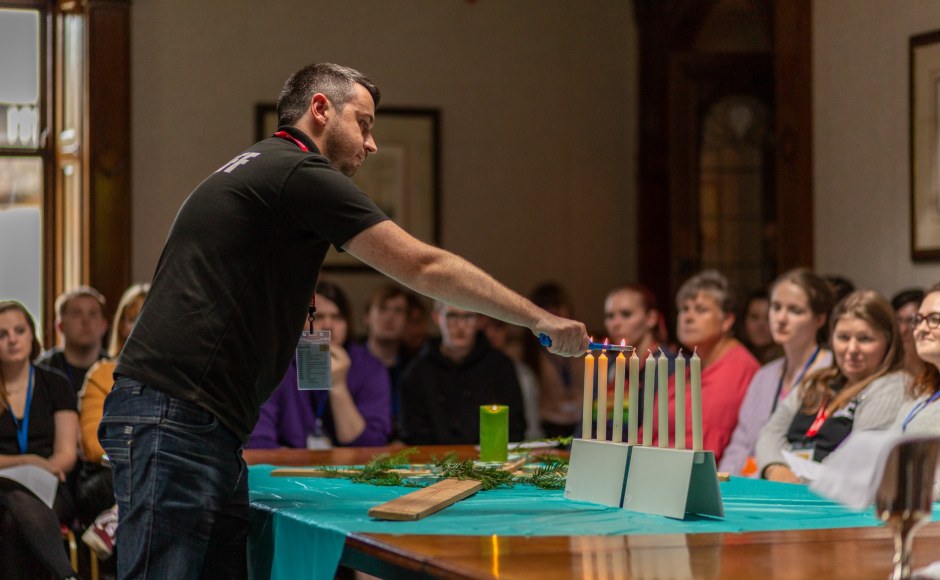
451 279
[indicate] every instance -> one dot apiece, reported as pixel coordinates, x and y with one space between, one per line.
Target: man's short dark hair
333 80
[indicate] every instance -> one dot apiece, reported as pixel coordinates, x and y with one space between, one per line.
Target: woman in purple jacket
356 412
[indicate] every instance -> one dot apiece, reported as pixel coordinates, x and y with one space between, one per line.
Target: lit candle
680 400
494 433
602 396
586 415
649 390
695 368
619 373
634 407
662 383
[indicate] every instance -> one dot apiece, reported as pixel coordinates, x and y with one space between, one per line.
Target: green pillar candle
494 433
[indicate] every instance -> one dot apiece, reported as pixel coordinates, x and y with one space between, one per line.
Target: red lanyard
289 137
821 417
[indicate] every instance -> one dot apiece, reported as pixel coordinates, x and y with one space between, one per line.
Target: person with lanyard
226 310
922 415
863 390
800 302
355 412
38 427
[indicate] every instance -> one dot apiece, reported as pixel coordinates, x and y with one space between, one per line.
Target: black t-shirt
831 434
51 393
232 287
55 358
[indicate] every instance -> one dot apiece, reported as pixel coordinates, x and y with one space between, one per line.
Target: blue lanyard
799 377
22 427
920 407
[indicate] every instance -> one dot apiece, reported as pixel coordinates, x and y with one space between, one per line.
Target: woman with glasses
863 389
922 415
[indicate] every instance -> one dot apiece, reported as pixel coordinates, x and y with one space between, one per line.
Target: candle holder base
672 483
597 471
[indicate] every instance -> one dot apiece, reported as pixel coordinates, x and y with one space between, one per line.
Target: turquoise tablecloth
299 525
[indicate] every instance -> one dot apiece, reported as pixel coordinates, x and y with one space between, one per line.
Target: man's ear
320 109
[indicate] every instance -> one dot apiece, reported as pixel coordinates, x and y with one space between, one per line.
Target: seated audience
921 416
905 304
355 412
800 302
706 306
95 491
755 328
862 390
38 427
417 328
841 286
501 337
386 320
443 388
632 315
82 325
559 377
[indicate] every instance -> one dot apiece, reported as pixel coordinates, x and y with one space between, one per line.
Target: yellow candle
662 384
680 401
695 368
649 391
634 406
586 415
620 364
602 396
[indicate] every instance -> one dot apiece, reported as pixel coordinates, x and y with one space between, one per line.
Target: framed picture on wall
403 178
925 145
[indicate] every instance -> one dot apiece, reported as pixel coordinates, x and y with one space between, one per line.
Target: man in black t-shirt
228 302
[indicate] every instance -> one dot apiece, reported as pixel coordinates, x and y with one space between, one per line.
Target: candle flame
495 408
606 341
623 342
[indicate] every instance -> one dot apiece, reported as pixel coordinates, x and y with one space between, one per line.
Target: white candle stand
597 471
672 483
654 480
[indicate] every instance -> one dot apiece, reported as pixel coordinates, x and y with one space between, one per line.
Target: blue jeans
180 483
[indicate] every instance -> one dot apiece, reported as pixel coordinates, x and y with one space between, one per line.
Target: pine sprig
550 474
378 471
490 477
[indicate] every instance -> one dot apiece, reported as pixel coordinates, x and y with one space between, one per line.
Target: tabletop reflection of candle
588 402
602 396
680 400
695 371
634 406
649 391
494 433
619 373
662 383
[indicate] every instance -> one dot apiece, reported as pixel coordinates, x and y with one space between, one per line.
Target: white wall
861 155
538 101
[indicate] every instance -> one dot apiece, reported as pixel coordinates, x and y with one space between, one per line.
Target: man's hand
782 473
339 364
569 337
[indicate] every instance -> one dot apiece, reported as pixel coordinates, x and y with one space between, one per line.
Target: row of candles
656 371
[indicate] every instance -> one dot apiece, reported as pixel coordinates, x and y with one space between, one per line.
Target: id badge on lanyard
314 368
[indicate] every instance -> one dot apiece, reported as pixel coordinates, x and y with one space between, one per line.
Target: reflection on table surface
833 553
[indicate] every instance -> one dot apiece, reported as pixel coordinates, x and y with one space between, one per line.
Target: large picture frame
925 145
403 178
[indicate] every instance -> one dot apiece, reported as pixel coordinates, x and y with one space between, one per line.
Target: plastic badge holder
314 369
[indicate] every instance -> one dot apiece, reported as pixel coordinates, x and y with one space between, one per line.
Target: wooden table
854 553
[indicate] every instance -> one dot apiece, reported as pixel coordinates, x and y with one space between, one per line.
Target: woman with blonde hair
38 427
862 390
